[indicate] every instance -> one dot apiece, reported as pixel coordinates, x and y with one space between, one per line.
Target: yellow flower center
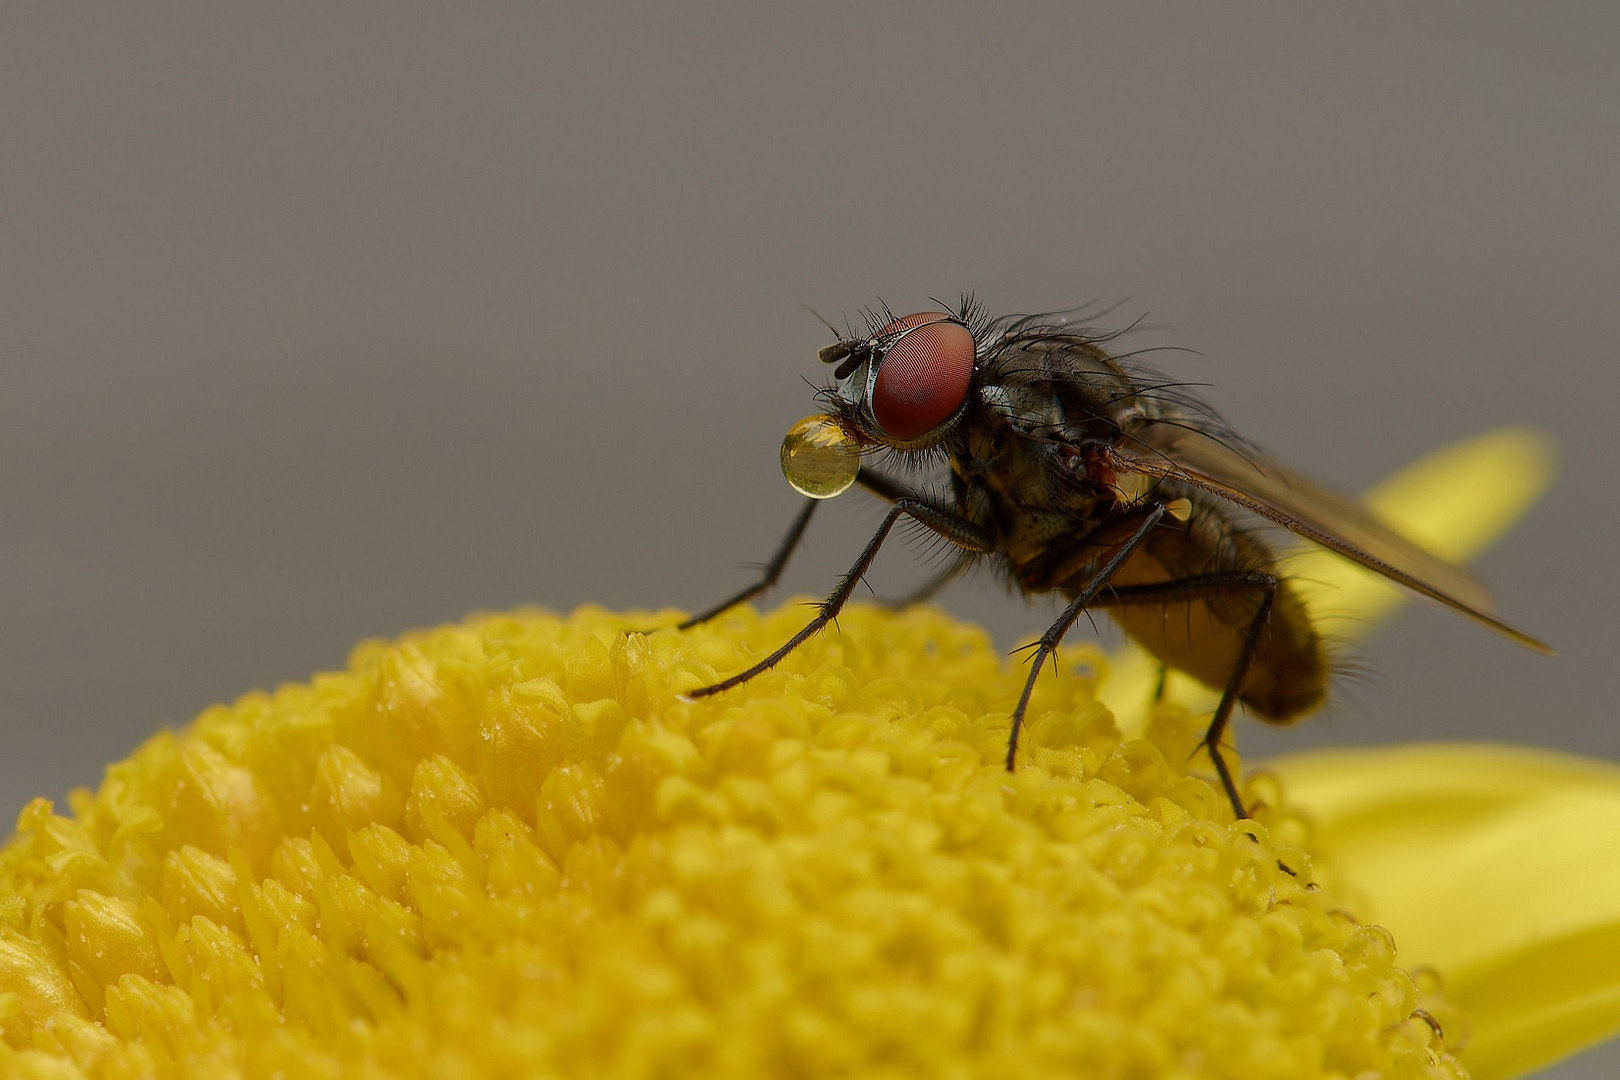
510 848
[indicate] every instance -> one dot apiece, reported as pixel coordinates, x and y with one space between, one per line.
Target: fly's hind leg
1210 587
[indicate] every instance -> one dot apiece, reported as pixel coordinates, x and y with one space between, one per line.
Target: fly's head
904 389
907 385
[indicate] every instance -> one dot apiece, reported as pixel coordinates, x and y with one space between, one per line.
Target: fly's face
906 385
903 388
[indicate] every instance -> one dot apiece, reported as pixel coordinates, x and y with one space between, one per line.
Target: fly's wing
1330 519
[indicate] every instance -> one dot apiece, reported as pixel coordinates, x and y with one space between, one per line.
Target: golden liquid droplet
818 458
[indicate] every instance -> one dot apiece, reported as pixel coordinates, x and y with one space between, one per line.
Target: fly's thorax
1045 413
1063 385
1034 493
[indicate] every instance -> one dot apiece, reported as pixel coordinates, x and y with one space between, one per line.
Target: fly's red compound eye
924 377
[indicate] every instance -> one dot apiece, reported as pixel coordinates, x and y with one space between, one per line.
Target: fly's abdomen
1201 629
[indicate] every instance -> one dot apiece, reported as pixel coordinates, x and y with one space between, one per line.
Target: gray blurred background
323 323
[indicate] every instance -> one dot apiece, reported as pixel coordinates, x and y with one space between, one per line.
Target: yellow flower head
511 848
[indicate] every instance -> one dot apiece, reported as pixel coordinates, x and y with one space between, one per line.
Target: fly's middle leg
930 588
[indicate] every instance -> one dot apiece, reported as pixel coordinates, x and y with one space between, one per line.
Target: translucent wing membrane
1325 517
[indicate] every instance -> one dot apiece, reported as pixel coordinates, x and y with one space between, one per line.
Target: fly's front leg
773 569
1048 643
891 490
1210 587
959 531
882 486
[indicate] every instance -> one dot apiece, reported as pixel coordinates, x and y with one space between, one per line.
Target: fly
1081 473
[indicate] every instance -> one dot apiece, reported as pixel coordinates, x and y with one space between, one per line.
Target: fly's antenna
822 319
845 349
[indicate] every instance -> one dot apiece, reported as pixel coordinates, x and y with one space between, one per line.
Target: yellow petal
1496 866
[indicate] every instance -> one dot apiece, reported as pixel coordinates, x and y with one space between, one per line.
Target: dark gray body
1029 464
1076 472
